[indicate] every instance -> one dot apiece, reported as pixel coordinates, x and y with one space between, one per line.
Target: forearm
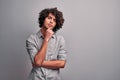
53 64
40 56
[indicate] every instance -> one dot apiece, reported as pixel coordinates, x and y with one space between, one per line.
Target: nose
51 21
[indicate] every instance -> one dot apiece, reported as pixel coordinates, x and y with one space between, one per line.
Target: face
50 21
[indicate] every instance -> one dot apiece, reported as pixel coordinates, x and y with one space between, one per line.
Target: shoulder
60 37
31 37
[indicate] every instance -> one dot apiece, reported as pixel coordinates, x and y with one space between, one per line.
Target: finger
50 28
51 31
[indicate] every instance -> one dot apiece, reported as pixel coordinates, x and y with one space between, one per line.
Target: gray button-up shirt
56 50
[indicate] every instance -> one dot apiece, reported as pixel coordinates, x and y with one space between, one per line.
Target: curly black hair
58 15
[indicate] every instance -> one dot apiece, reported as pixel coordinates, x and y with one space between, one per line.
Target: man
47 50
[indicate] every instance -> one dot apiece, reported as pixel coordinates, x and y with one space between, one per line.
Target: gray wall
91 30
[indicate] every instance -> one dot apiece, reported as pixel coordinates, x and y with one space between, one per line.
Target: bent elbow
38 62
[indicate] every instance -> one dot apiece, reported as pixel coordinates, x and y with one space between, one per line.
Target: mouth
50 25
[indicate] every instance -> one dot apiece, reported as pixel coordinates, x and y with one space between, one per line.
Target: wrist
46 40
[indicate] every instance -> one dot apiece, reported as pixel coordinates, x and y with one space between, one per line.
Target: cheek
46 21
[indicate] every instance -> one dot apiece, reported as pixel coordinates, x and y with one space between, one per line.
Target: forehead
51 15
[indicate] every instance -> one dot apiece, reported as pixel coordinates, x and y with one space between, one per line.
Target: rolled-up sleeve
62 53
31 48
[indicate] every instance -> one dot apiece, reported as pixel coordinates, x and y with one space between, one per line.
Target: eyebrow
51 17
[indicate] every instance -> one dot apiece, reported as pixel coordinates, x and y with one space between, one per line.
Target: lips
50 25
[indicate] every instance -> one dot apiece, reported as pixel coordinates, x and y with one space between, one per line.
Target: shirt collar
40 35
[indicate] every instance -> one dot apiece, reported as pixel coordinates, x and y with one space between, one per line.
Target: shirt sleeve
31 48
62 53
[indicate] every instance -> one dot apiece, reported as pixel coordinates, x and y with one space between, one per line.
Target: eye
49 17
